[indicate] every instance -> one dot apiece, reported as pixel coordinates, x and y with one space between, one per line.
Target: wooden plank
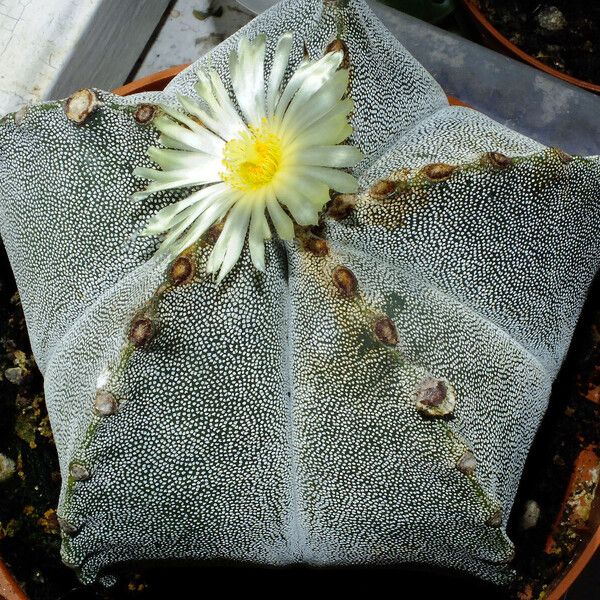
52 48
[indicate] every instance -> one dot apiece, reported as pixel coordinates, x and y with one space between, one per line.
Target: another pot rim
484 23
11 590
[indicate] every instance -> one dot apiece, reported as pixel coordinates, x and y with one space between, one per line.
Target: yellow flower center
252 160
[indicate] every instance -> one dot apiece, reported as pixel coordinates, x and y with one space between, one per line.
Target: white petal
266 228
282 222
321 101
183 119
222 96
303 70
177 159
202 223
163 219
256 234
229 246
216 256
311 71
302 208
322 75
337 180
332 128
213 142
278 67
169 142
168 180
247 78
192 213
313 190
330 156
203 172
198 139
215 125
212 91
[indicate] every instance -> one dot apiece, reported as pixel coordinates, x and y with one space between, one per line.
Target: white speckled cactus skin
272 420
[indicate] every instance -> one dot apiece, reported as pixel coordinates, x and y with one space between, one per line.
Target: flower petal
330 156
203 221
332 128
321 76
177 230
225 103
321 101
247 78
281 221
256 233
168 180
278 67
229 246
169 142
218 125
303 209
337 180
267 235
164 218
212 91
169 159
198 138
307 71
313 190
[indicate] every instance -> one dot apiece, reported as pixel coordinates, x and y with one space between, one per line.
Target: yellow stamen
252 160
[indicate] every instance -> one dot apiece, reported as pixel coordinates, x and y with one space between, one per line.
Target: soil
29 538
571 424
563 34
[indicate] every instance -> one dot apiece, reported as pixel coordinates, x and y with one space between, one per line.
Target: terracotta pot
495 40
581 514
10 590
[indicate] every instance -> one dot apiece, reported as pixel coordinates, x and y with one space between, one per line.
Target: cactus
370 398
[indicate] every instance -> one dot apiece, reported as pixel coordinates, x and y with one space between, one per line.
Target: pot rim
575 568
512 49
9 588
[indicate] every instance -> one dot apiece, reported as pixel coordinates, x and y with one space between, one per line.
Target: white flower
279 153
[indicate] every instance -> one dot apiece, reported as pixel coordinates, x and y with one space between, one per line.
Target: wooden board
50 48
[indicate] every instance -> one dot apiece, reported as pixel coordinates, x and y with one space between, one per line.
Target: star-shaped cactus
371 395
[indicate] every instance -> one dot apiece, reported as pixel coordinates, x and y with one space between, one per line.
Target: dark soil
571 424
563 34
29 539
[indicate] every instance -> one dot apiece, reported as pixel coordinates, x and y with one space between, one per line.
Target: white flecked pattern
265 422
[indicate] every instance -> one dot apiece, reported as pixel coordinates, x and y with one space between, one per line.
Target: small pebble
531 515
7 467
14 375
551 19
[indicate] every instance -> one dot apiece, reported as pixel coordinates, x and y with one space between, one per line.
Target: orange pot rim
512 49
576 567
9 588
154 82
